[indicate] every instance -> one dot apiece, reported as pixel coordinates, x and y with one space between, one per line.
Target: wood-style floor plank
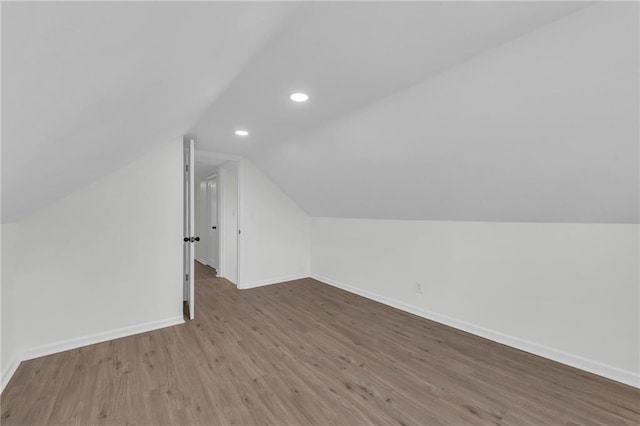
303 353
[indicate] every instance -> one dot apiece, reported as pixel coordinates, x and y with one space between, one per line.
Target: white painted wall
565 291
9 348
228 182
104 261
275 232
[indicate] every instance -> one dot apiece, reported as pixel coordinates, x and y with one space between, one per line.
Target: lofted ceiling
544 128
90 86
347 55
500 111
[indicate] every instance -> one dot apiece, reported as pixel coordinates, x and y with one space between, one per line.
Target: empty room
320 213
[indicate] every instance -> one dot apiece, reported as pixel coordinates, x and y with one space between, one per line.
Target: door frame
204 155
219 258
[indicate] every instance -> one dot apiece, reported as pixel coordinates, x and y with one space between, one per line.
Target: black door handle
213 227
192 239
196 238
186 239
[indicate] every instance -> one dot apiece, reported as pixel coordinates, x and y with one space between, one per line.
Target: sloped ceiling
347 55
90 86
524 112
450 111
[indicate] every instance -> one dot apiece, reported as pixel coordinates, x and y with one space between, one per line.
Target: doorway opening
212 219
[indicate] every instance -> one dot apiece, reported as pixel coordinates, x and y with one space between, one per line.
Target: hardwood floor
307 353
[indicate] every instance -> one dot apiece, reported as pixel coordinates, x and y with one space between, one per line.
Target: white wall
228 181
9 354
104 261
565 291
275 232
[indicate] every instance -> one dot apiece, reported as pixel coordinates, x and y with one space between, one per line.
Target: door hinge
187 276
239 232
186 168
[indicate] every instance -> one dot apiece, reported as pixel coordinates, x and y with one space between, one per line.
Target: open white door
189 226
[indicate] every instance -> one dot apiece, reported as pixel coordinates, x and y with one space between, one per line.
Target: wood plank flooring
307 353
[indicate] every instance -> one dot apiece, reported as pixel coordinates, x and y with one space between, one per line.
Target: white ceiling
347 55
541 129
206 167
88 87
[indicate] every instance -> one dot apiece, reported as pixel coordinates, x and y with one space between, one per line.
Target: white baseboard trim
623 376
91 339
270 281
201 261
8 374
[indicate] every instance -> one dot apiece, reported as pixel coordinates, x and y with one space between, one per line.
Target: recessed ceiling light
242 133
299 97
